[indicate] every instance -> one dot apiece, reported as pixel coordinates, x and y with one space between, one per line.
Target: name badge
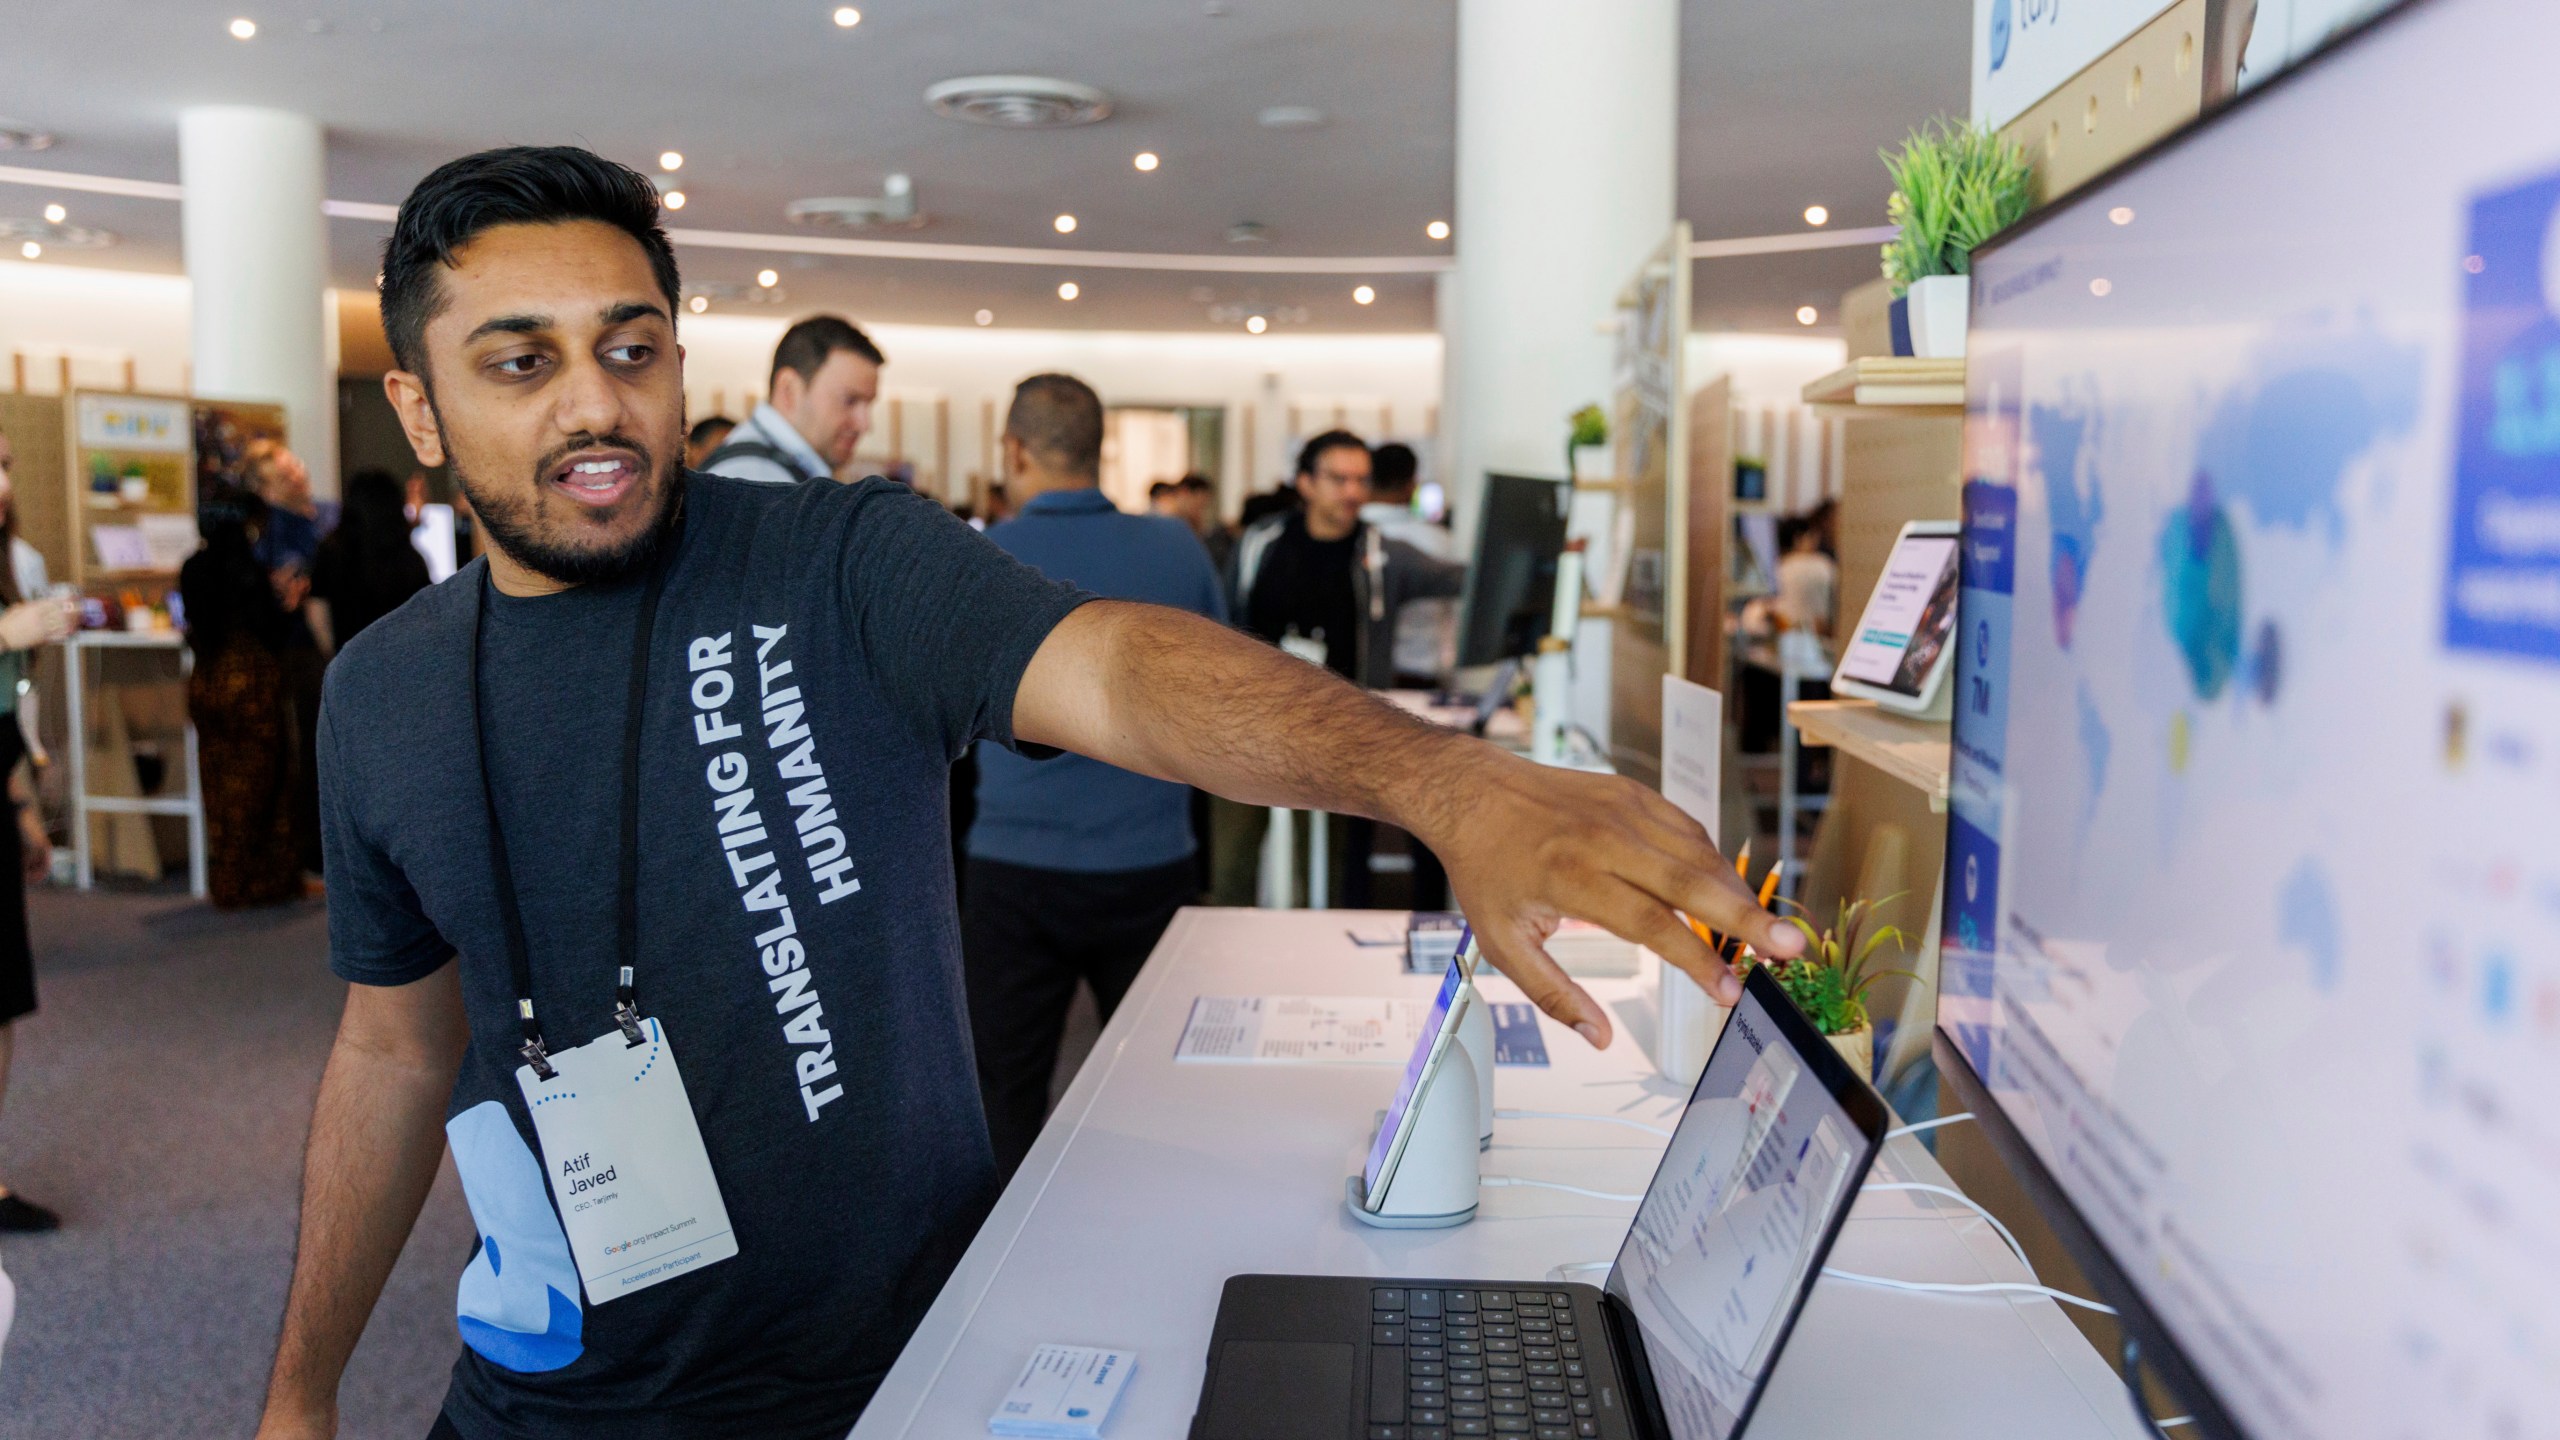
627 1166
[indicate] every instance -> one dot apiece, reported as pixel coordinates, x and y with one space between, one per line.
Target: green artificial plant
1590 427
1829 980
1954 187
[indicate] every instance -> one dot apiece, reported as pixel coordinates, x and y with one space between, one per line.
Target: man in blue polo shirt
1074 867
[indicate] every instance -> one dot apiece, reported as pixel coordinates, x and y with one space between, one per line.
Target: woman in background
244 737
366 568
33 617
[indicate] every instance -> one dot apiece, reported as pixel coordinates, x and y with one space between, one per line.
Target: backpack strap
755 450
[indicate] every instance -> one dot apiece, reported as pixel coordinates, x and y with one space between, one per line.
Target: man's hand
281 1424
1528 846
1172 695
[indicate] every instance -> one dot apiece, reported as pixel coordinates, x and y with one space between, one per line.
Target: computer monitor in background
2252 957
1511 584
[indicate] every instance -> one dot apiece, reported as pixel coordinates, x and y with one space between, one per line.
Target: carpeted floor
159 1101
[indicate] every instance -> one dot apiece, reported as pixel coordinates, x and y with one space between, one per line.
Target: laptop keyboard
1447 1363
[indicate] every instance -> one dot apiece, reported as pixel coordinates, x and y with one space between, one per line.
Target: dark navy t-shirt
822 654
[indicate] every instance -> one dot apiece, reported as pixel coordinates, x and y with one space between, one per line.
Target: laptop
1677 1345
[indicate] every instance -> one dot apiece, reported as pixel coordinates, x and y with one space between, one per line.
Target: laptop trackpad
1280 1390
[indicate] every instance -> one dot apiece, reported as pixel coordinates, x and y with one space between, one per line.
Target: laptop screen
1717 1261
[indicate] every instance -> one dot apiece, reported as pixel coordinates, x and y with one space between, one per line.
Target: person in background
288 543
1320 582
32 618
1200 511
235 696
826 377
1426 634
1164 500
705 439
1808 580
1075 867
368 566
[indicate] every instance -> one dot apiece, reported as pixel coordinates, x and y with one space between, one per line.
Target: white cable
1585 1265
1499 1180
1994 1288
1578 1115
2173 1422
1917 1126
1967 1202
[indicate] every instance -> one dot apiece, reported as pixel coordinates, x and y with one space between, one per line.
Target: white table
1154 1182
188 803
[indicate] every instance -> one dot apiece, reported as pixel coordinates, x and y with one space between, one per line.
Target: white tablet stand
1434 1183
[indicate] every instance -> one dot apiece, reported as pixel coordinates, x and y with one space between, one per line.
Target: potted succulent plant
1829 980
1954 187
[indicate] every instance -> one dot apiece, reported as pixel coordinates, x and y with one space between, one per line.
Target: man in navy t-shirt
1075 867
683 992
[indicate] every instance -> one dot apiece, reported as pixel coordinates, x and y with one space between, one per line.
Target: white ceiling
1783 105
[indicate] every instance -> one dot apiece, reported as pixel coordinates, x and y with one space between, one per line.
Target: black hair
1195 481
1162 488
1060 418
1312 452
805 346
709 425
373 516
516 185
1392 467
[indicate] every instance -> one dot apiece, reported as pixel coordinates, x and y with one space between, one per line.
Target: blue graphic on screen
1999 33
2502 589
2309 920
2073 504
1384 1146
516 1304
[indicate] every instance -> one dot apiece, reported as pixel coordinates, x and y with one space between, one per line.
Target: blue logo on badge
516 1304
1999 33
1077 1412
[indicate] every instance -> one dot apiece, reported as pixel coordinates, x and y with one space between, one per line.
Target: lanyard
626 1006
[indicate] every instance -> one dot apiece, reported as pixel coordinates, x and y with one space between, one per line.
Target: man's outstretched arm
376 1135
1526 845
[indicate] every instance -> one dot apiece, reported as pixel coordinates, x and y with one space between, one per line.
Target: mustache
610 440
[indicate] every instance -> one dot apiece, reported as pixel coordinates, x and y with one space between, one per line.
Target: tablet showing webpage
1749 1195
1437 1028
1909 620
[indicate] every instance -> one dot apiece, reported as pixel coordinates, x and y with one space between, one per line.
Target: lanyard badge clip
626 1011
535 1053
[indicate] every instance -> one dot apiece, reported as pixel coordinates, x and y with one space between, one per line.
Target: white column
1567 122
258 262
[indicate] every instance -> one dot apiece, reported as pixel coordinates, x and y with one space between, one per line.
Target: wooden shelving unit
1914 386
1915 752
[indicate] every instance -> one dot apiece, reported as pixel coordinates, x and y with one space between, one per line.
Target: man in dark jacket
1323 584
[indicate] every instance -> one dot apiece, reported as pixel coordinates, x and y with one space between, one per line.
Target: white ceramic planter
1938 308
1594 463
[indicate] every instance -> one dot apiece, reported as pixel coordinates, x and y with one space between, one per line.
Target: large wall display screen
2253 907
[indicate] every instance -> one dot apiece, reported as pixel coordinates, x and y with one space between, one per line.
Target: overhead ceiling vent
1019 102
59 237
16 136
893 209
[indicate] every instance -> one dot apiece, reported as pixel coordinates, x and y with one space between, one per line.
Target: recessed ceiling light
15 136
2101 287
985 317
31 250
55 214
1068 291
1817 215
1437 229
1255 324
1806 314
244 29
1146 160
768 278
670 160
1362 295
673 199
1066 224
847 17
698 304
2122 214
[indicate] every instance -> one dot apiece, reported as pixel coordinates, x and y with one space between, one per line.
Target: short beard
508 518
